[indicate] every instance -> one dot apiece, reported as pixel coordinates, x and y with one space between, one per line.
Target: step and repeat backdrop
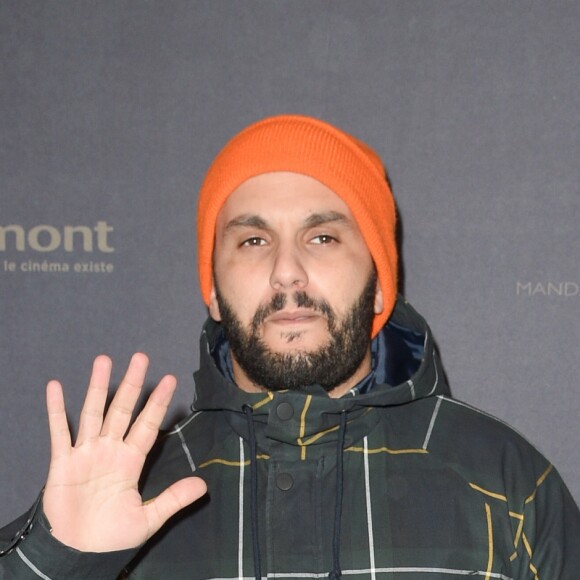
111 111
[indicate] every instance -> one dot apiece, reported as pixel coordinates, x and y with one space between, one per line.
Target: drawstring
254 491
336 572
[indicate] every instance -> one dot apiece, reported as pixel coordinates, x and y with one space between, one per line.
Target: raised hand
91 498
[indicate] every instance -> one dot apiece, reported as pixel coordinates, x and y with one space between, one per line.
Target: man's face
294 285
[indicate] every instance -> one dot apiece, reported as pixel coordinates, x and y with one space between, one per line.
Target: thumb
177 496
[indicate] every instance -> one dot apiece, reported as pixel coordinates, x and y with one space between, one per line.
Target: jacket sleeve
550 534
29 551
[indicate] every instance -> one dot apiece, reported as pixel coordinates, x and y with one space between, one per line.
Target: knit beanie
350 168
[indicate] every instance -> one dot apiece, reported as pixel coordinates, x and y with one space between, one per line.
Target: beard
329 365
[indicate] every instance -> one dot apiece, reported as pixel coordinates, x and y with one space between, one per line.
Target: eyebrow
247 221
313 220
319 219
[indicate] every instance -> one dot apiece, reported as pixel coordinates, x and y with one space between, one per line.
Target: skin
91 497
277 233
284 232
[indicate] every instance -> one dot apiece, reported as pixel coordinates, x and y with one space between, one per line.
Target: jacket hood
406 367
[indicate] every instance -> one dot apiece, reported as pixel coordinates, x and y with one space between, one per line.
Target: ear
379 301
214 309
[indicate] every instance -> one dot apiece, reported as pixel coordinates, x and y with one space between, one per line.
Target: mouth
294 317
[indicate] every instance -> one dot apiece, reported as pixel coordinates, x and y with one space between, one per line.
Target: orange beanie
311 147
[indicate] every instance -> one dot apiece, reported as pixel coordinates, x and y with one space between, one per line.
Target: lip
293 317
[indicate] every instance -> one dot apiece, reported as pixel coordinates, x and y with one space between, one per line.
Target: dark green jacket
397 481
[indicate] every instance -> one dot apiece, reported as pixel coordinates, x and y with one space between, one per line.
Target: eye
323 239
253 241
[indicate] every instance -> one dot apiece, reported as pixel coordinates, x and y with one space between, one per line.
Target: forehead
281 192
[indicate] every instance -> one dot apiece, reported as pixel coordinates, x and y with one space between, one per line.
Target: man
323 427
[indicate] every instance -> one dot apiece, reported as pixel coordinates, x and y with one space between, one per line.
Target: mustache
301 300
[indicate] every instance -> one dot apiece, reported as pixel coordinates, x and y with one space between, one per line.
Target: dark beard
328 366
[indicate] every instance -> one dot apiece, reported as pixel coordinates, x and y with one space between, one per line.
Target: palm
91 497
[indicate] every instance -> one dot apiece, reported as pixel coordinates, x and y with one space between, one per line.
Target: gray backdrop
111 111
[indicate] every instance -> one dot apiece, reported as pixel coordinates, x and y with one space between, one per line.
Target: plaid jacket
397 481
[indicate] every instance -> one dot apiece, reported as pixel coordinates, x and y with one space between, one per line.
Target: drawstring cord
254 491
336 572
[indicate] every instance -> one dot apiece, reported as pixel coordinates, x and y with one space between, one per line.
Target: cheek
241 290
242 273
343 281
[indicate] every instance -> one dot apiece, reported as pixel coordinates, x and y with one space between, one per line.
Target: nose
288 272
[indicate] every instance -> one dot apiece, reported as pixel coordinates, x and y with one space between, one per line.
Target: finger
60 440
123 404
144 431
177 496
91 420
